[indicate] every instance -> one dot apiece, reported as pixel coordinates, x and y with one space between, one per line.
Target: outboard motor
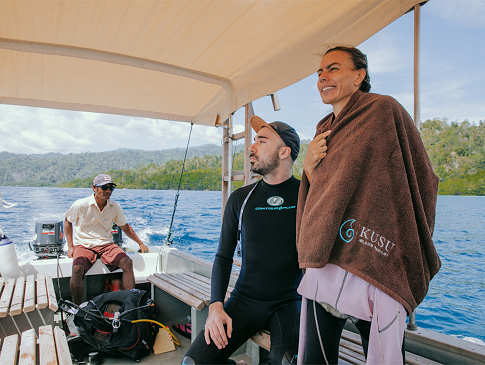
49 239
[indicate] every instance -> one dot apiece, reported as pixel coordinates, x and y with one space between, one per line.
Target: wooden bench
19 295
194 290
33 297
190 288
50 347
350 351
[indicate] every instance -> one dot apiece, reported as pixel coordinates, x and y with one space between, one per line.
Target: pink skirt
353 296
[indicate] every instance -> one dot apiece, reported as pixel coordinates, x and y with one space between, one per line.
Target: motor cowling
49 239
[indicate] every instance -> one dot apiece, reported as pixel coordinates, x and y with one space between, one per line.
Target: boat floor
175 357
172 357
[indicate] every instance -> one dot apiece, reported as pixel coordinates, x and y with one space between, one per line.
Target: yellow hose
175 339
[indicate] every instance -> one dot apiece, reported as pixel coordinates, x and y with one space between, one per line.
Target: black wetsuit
265 294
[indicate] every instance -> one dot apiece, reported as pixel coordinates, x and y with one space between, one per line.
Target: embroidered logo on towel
347 235
351 229
275 201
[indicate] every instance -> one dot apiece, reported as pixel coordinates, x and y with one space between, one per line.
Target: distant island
456 150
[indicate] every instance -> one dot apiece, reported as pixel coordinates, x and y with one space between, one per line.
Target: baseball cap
103 179
285 131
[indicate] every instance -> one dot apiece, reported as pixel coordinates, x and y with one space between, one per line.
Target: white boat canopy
183 60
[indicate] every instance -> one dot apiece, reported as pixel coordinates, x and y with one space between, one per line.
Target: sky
452 76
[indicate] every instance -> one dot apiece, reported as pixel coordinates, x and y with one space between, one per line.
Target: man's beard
265 168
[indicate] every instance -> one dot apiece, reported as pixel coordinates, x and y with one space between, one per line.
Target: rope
169 239
174 338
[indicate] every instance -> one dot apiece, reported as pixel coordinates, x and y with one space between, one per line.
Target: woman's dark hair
360 61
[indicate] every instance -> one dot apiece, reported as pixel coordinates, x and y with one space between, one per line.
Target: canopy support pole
226 161
248 138
417 10
275 101
412 317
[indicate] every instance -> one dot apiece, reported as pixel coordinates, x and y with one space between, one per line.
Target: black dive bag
104 323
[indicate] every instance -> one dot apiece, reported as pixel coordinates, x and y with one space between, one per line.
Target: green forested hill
201 173
56 168
456 150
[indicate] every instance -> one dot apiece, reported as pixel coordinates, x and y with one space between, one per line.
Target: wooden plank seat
194 290
48 348
190 288
25 294
350 352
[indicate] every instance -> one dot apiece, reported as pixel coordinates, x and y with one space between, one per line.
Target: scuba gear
117 323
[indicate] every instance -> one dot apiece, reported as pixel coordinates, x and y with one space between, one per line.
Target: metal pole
226 161
275 101
416 65
249 111
412 322
412 317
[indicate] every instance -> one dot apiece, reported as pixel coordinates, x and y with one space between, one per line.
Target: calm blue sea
456 300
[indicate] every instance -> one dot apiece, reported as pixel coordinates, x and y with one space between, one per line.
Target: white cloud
469 13
390 50
448 99
37 130
451 81
444 100
90 116
384 56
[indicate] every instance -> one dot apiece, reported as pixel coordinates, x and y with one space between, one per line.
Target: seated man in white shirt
91 238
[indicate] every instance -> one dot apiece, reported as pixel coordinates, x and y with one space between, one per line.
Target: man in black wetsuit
265 294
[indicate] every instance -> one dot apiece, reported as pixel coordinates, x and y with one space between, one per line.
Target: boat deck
175 357
169 358
184 296
172 357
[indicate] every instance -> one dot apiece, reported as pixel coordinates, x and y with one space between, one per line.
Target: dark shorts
110 255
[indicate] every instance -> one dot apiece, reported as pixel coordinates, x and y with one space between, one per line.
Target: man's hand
317 150
214 325
70 251
143 248
131 233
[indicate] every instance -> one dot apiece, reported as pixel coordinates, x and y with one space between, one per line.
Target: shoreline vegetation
456 150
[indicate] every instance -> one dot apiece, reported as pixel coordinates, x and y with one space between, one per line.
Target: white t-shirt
92 227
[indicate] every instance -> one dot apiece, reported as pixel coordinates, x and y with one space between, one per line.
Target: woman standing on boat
365 217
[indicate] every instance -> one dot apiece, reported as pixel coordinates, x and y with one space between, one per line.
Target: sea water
455 303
